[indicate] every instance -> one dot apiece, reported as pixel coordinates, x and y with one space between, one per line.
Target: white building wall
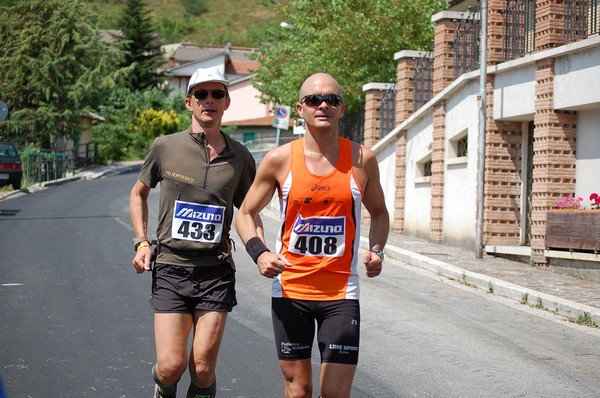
386 159
460 180
417 208
577 80
588 154
245 103
514 94
576 87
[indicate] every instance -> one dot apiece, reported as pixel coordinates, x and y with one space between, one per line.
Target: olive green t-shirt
196 196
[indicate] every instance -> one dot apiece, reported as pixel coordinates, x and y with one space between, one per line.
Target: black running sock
205 392
164 390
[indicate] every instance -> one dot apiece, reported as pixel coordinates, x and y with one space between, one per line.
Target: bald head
320 83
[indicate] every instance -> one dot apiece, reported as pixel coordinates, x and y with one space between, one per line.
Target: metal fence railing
50 164
423 80
45 165
519 28
352 125
466 43
388 111
85 154
581 19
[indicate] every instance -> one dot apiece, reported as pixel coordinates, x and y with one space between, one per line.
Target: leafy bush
194 7
133 119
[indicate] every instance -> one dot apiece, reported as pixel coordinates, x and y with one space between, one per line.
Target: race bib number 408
319 236
197 222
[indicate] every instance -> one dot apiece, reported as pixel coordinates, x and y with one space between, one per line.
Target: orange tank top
320 234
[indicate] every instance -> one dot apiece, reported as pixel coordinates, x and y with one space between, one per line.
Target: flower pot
574 230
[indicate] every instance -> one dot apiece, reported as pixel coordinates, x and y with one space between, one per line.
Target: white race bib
319 236
197 222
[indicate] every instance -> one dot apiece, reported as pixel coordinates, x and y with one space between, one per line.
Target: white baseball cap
205 75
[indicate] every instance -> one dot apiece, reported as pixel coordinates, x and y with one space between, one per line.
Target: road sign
282 117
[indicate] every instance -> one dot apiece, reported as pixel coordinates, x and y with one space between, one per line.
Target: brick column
553 156
399 200
549 24
405 107
372 116
405 85
495 35
373 97
502 192
437 173
446 23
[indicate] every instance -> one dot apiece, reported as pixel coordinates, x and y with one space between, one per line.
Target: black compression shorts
338 329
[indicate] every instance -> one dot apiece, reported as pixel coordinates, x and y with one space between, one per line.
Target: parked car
11 171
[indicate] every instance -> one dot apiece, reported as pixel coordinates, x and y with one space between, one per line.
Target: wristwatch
137 241
378 252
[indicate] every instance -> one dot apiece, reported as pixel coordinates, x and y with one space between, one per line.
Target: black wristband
255 247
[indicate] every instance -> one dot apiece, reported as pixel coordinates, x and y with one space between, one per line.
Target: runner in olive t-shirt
202 174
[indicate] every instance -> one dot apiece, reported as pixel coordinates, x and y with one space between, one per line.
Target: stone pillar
554 147
446 23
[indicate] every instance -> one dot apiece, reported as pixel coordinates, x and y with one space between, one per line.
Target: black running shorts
178 289
338 329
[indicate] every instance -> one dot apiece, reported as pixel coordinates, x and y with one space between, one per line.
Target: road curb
490 284
90 174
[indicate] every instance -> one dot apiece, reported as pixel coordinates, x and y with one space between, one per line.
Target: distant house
249 120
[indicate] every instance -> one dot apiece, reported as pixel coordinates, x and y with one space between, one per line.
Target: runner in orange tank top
321 180
321 234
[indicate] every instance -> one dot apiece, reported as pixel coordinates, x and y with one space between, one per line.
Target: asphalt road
75 320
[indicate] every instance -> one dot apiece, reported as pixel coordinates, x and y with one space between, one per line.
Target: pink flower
595 198
574 203
570 203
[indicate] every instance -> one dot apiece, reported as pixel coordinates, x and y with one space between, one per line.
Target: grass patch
524 298
539 304
586 319
463 281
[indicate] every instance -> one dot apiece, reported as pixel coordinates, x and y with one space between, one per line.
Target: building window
458 148
423 171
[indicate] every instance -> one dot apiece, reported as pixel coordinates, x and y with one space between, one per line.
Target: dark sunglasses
316 99
203 94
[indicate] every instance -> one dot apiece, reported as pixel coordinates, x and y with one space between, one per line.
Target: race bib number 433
319 236
197 222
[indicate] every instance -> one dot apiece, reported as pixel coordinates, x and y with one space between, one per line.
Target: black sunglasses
316 99
203 94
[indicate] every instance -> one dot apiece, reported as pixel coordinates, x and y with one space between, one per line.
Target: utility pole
482 102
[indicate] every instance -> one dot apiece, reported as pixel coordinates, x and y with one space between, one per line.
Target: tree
353 40
52 66
134 119
140 46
